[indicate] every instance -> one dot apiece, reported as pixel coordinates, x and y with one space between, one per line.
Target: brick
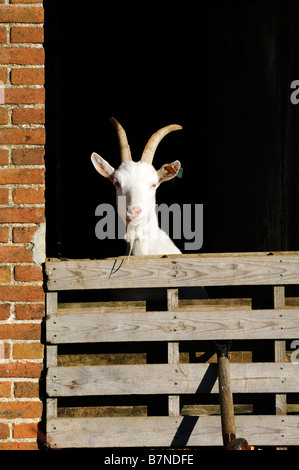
27 34
24 96
30 370
20 409
21 14
22 175
28 273
23 234
26 390
3 75
34 156
4 234
5 275
11 254
29 311
4 311
22 136
21 215
3 116
25 1
20 331
29 196
15 445
20 294
28 116
5 389
5 350
3 157
3 35
27 76
23 431
3 195
4 431
28 351
22 55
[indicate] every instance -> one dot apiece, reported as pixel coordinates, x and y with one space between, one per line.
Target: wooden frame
81 325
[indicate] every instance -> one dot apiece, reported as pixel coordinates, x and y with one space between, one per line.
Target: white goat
138 182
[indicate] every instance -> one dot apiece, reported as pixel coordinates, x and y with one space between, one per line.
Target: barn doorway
223 73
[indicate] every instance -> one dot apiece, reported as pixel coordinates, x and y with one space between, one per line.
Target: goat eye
154 185
116 183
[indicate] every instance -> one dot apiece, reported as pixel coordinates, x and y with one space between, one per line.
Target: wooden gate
170 394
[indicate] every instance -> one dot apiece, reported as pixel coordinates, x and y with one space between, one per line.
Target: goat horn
125 152
151 146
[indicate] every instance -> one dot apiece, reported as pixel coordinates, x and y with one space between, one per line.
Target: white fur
138 182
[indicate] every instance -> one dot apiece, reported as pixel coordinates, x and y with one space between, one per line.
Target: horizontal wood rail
170 379
169 431
173 326
174 271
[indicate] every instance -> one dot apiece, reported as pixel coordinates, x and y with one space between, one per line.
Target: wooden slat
140 306
170 379
51 303
174 271
104 307
169 431
280 353
51 352
280 349
173 326
51 361
173 352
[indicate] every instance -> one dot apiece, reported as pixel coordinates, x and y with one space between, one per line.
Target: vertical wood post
280 350
51 354
173 352
280 354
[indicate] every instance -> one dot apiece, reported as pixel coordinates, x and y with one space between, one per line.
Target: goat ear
102 166
168 171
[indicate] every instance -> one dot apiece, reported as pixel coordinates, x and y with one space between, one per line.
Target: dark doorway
222 72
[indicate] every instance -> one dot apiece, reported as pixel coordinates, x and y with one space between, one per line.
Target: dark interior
222 71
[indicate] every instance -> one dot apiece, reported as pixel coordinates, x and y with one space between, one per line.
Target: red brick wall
22 222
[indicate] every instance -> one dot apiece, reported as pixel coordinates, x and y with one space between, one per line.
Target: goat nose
133 211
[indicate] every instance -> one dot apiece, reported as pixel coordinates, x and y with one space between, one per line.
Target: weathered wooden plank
169 431
51 303
173 326
280 353
280 349
174 271
170 379
173 352
51 352
140 306
214 304
102 307
51 356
